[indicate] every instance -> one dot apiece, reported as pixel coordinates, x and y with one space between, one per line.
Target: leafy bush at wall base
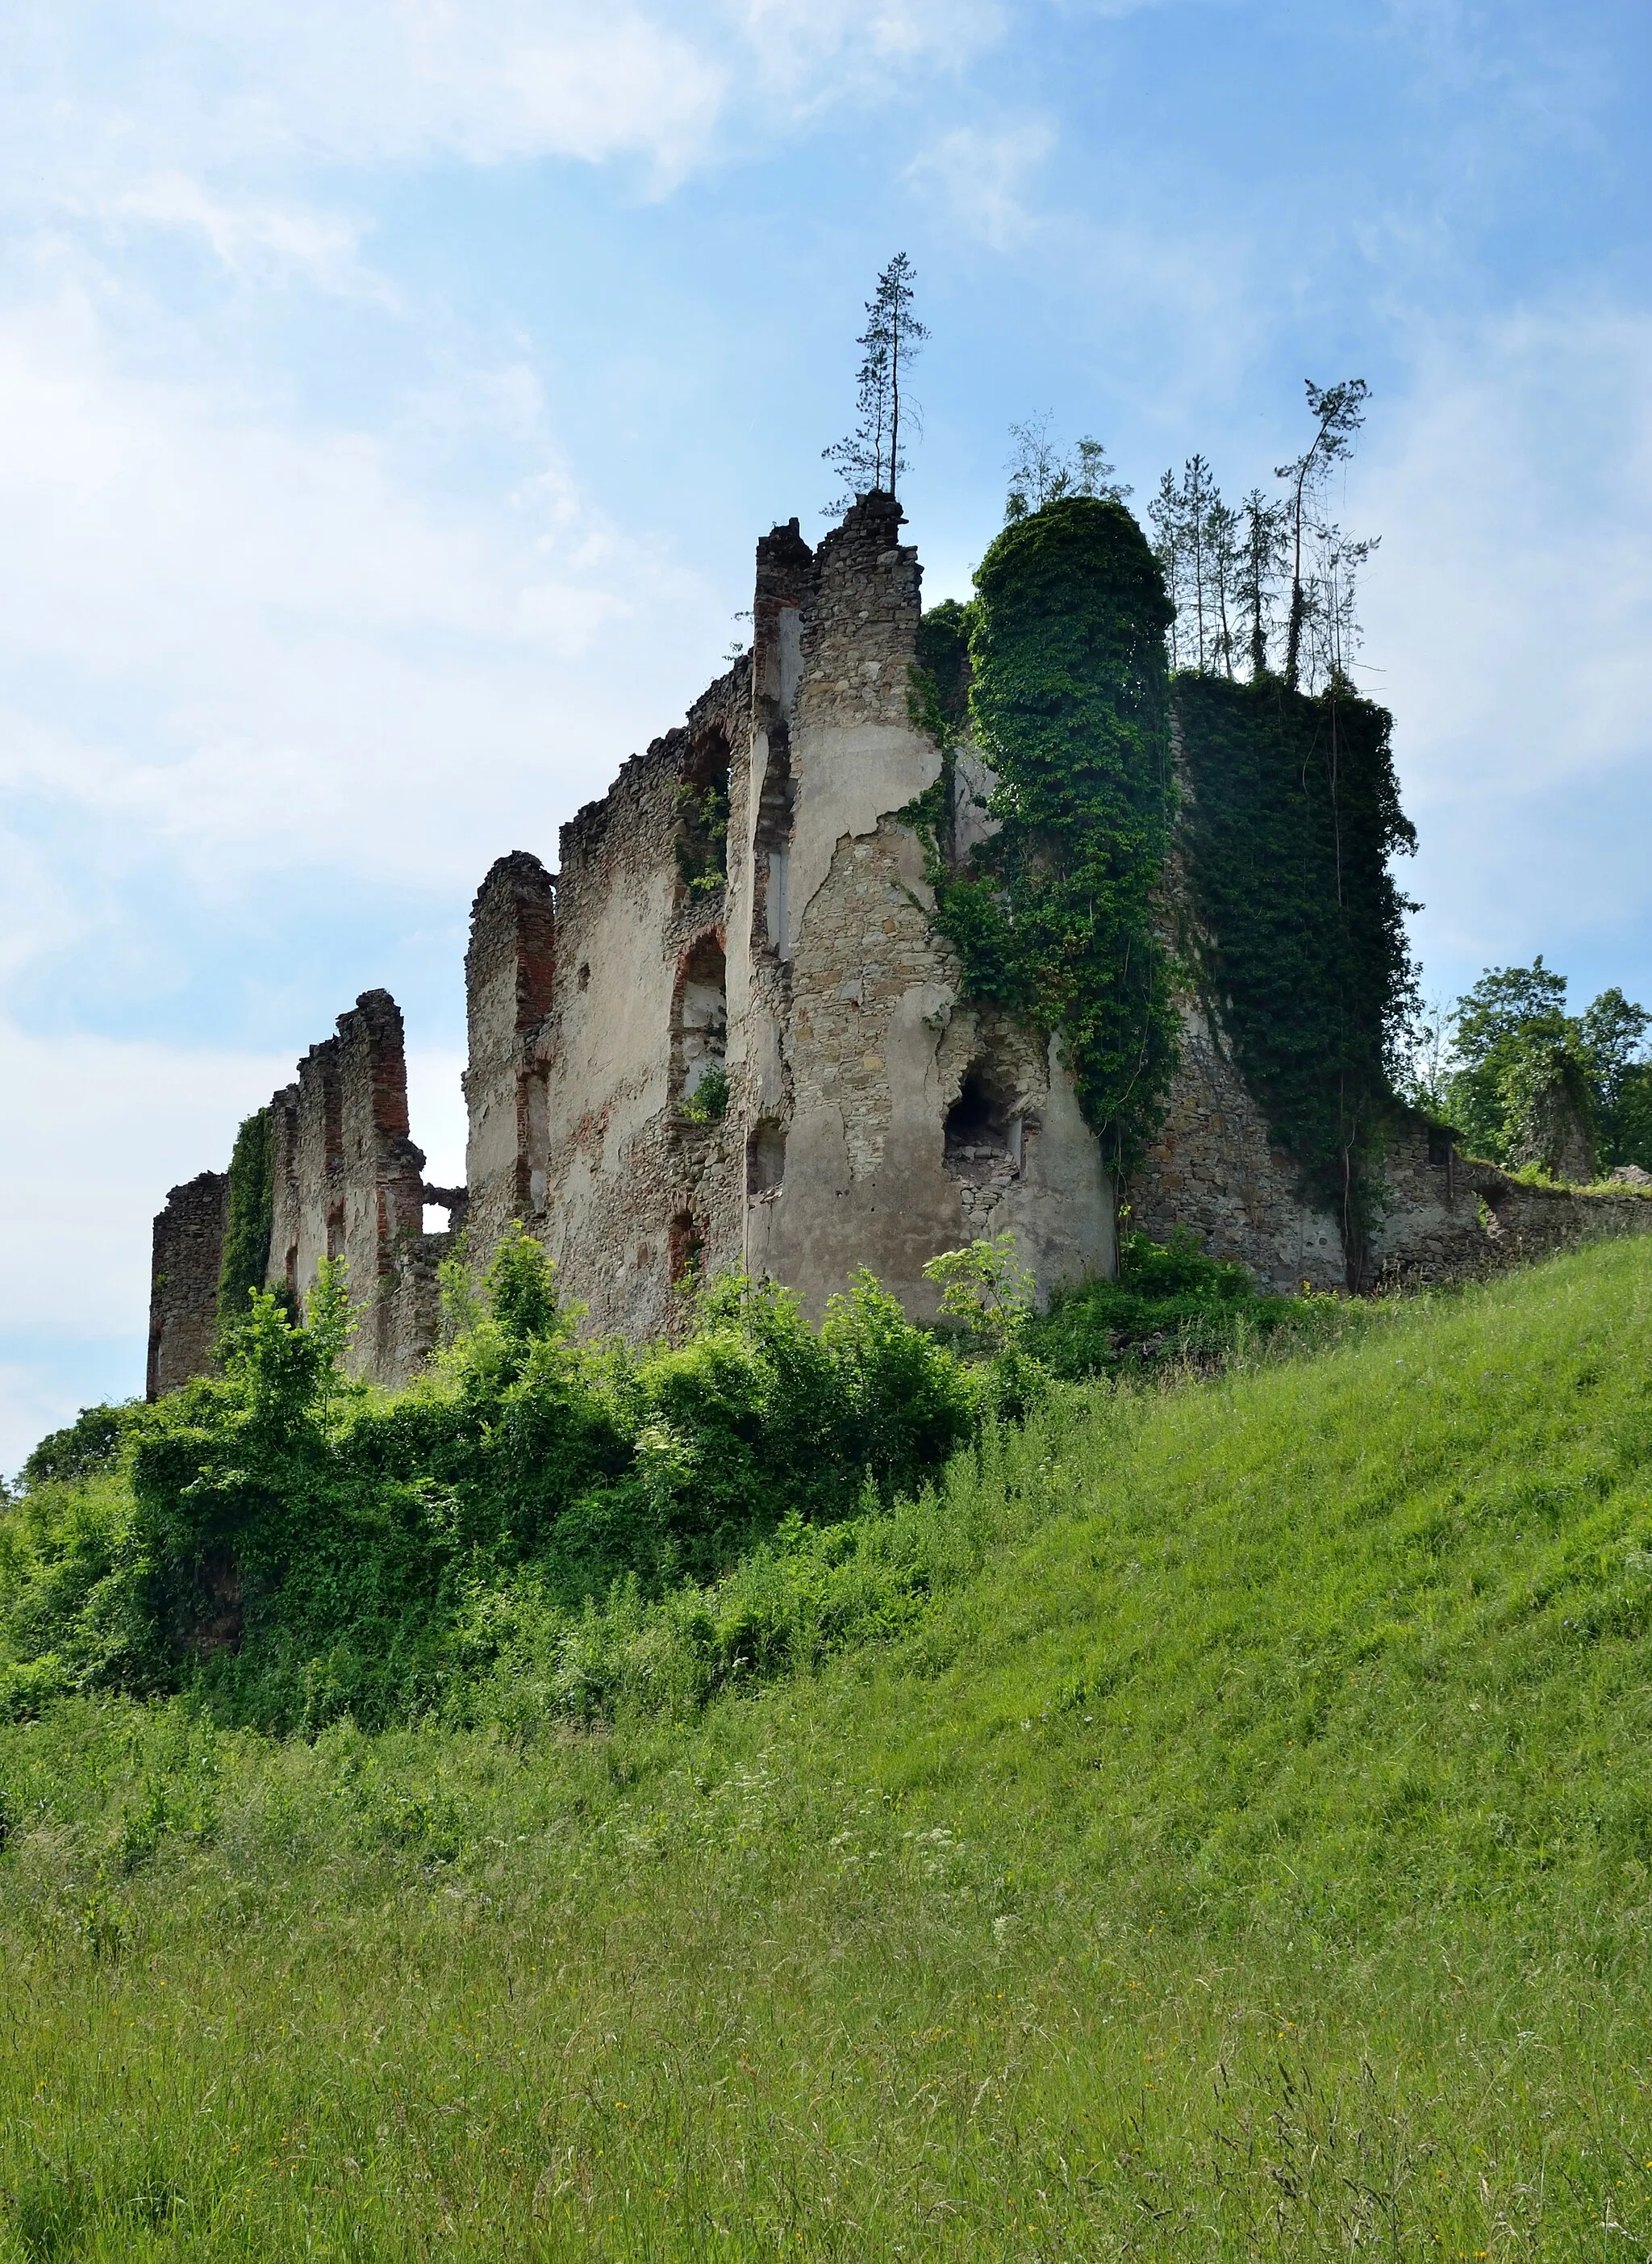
297 1548
1053 916
1295 927
1170 1306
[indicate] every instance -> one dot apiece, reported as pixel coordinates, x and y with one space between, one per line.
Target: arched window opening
982 1140
700 1036
702 817
766 1157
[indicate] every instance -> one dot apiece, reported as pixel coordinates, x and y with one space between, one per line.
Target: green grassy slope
1253 1859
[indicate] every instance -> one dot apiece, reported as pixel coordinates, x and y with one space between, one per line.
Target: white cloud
104 101
94 1131
1511 614
818 51
980 174
250 646
255 240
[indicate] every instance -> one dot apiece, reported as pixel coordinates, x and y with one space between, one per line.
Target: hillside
1246 1854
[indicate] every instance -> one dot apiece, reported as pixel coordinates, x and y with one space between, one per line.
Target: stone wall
638 1196
1446 1217
1213 1168
509 988
867 1151
188 1257
874 1116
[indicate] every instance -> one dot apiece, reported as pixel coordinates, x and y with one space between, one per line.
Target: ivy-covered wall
1055 916
250 1216
1294 927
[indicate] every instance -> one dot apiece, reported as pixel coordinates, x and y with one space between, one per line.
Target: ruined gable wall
318 1197
510 989
287 1200
187 1257
878 1045
383 1178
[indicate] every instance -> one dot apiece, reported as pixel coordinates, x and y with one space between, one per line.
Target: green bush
298 1547
1171 1303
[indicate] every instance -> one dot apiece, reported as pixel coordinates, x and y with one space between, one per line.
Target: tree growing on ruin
1338 413
1042 472
1259 565
870 458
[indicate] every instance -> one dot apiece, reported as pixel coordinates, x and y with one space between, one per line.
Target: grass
1247 1855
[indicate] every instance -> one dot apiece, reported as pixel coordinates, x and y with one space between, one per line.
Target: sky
391 392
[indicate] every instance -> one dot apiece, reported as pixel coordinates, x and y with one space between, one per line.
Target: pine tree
869 458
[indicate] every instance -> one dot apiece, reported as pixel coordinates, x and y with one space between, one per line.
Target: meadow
1226 1833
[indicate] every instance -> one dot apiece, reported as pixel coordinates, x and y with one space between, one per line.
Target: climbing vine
1295 924
702 835
1063 654
251 1215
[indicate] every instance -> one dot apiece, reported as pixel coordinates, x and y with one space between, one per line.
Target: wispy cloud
980 174
255 240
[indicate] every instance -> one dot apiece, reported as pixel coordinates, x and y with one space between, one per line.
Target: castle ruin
724 1034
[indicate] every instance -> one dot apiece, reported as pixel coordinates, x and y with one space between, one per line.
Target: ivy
251 1215
1063 655
1296 927
702 836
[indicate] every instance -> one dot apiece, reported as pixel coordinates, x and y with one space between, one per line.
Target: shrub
299 1548
1171 1302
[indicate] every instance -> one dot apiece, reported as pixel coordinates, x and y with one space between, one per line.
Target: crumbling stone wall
873 1048
188 1256
874 1116
638 1196
1212 1167
1446 1217
510 989
383 1180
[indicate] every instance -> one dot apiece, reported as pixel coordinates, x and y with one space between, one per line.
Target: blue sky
391 392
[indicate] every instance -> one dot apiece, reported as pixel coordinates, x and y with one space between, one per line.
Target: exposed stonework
509 974
349 1183
689 1053
188 1257
1212 1167
1447 1218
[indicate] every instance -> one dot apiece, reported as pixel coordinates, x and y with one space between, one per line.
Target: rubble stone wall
1446 1217
383 1177
637 1196
1212 1167
510 989
188 1256
874 1116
